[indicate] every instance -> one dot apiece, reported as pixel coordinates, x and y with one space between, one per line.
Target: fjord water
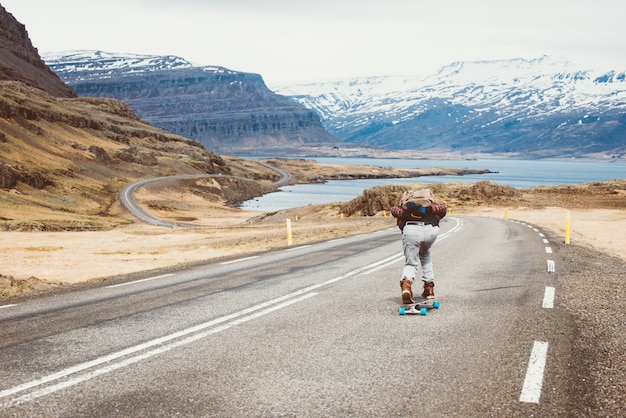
520 174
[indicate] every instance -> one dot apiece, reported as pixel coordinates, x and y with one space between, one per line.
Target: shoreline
374 153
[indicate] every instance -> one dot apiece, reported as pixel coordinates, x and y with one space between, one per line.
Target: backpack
413 198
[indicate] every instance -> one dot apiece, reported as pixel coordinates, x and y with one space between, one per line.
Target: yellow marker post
289 237
567 227
506 214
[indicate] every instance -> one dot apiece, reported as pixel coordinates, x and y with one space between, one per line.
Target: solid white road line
139 281
114 361
298 248
107 361
531 391
456 227
239 259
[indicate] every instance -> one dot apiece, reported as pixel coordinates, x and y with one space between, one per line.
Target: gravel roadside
590 288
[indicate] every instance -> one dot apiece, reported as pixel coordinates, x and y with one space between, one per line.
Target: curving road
307 331
127 200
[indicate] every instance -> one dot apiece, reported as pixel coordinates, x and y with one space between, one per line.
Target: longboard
420 307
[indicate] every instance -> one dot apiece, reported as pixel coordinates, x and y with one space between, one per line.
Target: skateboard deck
420 307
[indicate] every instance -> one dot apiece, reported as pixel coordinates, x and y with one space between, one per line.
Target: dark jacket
430 215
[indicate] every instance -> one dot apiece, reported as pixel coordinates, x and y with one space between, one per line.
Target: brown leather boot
407 293
429 290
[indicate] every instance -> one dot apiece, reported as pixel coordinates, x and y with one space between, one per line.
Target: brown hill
68 158
64 159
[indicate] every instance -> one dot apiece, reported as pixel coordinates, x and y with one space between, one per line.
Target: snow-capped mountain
544 107
90 60
538 107
225 110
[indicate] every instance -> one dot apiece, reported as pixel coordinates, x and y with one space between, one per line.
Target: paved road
307 331
127 200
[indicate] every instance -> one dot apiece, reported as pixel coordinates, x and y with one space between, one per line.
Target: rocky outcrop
20 61
11 174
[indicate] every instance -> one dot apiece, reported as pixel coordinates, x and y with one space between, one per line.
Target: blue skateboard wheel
423 311
436 305
402 311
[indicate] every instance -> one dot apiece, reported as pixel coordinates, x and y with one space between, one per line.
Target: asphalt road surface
307 331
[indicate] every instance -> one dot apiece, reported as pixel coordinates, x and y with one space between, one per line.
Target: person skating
418 214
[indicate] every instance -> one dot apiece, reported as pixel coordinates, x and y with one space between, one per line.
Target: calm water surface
515 173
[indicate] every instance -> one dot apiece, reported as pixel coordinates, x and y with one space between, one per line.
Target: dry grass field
33 258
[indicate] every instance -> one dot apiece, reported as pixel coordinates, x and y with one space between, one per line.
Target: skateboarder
418 215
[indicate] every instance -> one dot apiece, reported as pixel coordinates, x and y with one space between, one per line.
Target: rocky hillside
72 156
63 159
227 111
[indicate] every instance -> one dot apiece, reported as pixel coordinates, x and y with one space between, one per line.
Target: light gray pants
417 241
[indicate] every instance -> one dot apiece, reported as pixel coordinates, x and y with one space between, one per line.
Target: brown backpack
412 198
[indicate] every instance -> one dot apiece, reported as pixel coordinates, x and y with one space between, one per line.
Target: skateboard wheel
436 305
423 311
402 311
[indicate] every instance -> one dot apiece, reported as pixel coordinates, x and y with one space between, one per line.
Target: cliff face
20 61
225 110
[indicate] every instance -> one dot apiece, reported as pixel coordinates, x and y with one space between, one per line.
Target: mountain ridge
532 108
225 110
544 107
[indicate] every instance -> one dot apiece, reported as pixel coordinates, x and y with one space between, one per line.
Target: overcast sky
290 40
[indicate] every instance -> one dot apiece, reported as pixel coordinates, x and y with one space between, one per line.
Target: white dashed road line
531 391
548 298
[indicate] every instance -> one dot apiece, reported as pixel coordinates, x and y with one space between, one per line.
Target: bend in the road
127 200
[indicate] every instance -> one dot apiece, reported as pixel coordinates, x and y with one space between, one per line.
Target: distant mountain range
225 110
535 108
